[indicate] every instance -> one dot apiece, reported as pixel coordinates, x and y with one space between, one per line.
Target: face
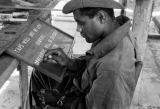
89 28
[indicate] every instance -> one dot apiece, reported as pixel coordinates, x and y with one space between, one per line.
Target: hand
57 55
49 97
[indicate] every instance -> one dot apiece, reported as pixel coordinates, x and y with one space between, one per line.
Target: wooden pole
7 66
141 20
23 83
156 21
124 3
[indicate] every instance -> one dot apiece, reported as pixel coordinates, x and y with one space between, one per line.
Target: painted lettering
40 56
39 41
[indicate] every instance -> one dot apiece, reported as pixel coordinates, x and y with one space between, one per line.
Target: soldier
107 73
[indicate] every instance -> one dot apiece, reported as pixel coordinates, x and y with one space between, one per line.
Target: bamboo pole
23 83
141 20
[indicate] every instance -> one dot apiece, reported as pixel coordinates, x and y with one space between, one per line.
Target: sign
12 30
35 41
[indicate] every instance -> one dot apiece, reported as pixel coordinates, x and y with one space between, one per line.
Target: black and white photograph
79 54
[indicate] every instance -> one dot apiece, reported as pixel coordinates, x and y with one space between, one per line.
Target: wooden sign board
34 42
13 30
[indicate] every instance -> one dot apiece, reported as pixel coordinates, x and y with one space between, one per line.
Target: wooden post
23 83
156 21
141 20
7 66
124 3
153 36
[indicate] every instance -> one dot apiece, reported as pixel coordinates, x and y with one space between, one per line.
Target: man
107 73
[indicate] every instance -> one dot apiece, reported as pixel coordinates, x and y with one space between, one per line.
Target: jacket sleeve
77 64
98 94
108 91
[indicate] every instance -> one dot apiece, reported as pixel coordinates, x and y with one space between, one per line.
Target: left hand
49 97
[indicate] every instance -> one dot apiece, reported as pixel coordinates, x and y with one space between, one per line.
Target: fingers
53 54
57 56
41 98
51 59
46 91
42 91
42 95
57 51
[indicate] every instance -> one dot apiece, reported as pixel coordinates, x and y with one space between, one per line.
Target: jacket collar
110 42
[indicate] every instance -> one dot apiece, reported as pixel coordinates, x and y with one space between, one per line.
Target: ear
101 16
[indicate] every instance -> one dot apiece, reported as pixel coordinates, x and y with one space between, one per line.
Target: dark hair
91 12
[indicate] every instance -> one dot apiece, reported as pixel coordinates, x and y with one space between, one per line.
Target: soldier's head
94 18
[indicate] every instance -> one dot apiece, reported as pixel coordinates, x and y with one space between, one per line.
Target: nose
79 28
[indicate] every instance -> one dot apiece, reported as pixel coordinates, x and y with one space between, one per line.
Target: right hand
57 55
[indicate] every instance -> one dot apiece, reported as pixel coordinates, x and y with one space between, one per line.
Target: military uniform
109 78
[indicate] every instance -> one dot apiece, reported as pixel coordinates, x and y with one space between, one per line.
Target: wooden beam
156 21
141 20
124 3
153 36
7 65
23 83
